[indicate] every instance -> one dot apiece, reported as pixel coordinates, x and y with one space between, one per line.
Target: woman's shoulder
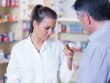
21 43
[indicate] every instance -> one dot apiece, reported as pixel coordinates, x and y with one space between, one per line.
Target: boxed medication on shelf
70 27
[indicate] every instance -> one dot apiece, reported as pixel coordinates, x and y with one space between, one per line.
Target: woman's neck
37 42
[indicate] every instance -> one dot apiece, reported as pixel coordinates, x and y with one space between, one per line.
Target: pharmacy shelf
3 68
9 7
67 20
1 43
8 22
72 36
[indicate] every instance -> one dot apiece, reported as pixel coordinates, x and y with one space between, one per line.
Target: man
94 16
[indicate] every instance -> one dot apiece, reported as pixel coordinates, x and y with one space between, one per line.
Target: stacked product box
71 28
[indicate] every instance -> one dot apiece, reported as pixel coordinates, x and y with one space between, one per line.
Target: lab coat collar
43 47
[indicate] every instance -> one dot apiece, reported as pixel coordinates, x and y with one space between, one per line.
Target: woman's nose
50 31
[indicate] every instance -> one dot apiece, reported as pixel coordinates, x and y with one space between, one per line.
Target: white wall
69 12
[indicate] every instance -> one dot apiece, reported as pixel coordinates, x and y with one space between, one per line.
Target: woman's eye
47 28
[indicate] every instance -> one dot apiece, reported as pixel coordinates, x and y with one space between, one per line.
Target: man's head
92 13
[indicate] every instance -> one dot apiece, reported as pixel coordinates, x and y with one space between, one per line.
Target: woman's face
45 28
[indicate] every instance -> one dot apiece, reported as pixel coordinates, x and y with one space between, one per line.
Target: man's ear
87 19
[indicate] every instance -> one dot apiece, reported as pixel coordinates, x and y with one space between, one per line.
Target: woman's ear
34 23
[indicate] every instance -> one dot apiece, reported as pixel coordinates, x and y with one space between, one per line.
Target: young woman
38 58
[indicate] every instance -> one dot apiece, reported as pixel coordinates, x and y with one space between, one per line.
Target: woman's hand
69 52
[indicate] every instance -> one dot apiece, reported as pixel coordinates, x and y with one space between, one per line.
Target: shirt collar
100 31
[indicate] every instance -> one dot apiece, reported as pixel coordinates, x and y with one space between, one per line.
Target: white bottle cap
71 44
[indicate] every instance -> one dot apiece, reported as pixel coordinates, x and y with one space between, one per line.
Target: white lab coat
27 65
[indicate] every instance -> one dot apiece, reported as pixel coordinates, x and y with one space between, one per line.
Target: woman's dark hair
97 9
39 12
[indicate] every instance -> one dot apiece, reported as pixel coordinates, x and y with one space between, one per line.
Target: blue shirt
95 63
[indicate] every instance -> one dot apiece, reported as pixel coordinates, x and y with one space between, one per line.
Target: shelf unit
7 27
13 25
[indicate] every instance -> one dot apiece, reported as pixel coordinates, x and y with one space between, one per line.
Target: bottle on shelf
8 3
7 37
7 18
